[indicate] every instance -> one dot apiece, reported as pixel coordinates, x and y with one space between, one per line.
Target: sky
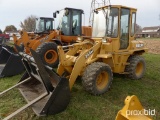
12 12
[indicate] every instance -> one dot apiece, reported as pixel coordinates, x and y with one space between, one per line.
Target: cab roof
117 6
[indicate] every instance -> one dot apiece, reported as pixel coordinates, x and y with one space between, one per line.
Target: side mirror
54 15
95 11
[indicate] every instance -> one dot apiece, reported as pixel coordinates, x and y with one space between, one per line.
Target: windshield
64 22
105 23
99 22
43 24
39 25
60 16
48 25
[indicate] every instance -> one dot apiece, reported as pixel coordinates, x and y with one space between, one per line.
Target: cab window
133 24
124 28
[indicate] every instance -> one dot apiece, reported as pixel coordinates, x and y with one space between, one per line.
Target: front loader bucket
10 62
2 42
43 89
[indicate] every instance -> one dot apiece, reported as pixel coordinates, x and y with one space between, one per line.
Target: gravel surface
153 45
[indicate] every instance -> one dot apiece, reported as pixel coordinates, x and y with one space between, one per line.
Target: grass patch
84 106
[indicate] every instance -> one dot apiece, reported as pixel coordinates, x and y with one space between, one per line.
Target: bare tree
159 16
29 23
138 28
10 28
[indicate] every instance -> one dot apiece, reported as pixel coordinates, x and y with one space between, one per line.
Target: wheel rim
50 56
102 80
139 68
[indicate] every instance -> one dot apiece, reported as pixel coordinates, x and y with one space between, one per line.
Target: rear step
45 91
10 62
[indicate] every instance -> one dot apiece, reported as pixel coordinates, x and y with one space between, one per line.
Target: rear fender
58 42
46 38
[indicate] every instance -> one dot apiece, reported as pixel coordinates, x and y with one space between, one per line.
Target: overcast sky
14 11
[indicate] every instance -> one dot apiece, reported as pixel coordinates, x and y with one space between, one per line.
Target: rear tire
136 68
97 78
48 53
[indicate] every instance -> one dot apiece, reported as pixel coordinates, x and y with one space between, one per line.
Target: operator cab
117 23
44 25
70 20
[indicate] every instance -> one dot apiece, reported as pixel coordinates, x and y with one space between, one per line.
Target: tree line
30 22
28 25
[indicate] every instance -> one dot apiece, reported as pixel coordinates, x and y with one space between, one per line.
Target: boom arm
77 58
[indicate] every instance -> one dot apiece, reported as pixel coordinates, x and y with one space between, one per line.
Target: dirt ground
153 45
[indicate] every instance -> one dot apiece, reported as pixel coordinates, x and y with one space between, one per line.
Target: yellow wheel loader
112 49
44 40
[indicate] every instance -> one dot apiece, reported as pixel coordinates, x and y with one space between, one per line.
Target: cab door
124 28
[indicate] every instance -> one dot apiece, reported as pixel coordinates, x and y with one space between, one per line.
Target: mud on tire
136 68
97 78
48 53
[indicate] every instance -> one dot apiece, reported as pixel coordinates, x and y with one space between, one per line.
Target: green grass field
84 106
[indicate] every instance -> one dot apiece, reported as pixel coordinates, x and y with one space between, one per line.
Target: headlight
79 38
139 45
104 40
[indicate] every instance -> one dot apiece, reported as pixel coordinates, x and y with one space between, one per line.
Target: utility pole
159 17
95 4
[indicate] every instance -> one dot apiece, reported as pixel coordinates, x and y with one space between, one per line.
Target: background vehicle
66 32
3 39
45 40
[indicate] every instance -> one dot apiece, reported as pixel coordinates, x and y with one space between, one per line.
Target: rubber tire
90 75
131 68
43 48
3 41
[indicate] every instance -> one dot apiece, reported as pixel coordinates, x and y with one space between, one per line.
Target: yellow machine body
100 49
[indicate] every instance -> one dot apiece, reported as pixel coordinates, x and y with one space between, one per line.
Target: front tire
48 53
3 40
136 68
97 78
